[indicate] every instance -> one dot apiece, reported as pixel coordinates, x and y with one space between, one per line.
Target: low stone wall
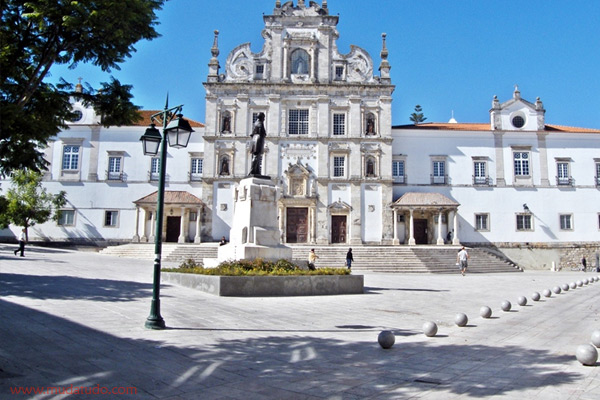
261 286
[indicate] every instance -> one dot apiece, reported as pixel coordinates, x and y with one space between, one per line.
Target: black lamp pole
176 129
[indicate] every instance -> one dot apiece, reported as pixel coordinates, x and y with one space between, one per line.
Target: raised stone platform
262 286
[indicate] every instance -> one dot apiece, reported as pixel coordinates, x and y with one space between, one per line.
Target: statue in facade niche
258 144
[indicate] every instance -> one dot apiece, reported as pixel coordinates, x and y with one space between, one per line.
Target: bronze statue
258 144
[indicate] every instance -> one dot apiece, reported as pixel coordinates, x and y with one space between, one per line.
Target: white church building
346 174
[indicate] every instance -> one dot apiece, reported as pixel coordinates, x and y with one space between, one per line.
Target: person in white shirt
462 259
22 240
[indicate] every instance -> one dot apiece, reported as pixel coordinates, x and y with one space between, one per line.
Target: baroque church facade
345 174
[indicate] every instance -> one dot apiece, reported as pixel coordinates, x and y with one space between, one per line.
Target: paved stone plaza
76 319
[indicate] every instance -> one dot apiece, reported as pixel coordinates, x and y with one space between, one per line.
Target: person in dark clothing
584 263
349 259
22 241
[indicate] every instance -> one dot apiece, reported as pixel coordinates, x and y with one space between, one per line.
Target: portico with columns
425 218
182 222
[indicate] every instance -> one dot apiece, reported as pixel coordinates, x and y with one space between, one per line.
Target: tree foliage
27 203
35 35
417 117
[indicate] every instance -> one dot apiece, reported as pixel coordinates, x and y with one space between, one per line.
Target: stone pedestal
255 232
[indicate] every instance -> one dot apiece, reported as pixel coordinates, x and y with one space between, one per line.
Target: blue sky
445 55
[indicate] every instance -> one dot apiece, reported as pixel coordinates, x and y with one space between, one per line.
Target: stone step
388 259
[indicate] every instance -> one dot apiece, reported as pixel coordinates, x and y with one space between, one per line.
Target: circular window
518 121
78 115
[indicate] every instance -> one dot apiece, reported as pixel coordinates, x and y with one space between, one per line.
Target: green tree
35 35
28 203
417 117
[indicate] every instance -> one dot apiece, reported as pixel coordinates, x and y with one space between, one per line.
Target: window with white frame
398 171
438 175
115 167
70 160
521 163
563 176
524 222
339 124
66 218
155 168
339 72
479 172
339 166
566 222
111 218
482 222
298 122
196 169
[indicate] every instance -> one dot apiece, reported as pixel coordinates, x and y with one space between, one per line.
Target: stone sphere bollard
596 338
556 290
547 293
535 296
522 301
505 305
430 328
461 319
573 285
485 312
564 287
386 339
580 283
587 354
585 281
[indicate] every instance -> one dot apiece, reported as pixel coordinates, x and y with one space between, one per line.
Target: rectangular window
398 170
111 218
439 172
566 222
260 69
155 169
562 173
339 166
479 173
193 216
521 160
598 174
339 73
524 222
70 159
114 168
67 218
482 222
196 169
339 124
298 122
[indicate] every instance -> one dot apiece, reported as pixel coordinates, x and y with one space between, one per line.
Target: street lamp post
177 131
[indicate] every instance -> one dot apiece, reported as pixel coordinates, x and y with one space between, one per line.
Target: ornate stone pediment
298 179
339 206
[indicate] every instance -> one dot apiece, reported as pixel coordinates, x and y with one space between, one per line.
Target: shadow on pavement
47 350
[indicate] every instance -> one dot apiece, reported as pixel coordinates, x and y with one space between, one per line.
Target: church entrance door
420 231
338 229
173 226
296 225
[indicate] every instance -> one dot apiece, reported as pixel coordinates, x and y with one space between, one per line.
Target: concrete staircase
389 259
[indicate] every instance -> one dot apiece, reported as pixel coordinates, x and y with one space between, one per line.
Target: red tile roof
483 127
146 114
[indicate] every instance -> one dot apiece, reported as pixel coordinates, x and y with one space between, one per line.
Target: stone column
152 227
198 237
455 239
440 239
395 240
136 236
182 225
282 225
411 239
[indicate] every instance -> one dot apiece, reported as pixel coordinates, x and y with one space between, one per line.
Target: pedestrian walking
349 258
462 260
22 241
584 263
312 257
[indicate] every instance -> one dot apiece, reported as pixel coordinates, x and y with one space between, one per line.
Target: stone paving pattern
78 318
